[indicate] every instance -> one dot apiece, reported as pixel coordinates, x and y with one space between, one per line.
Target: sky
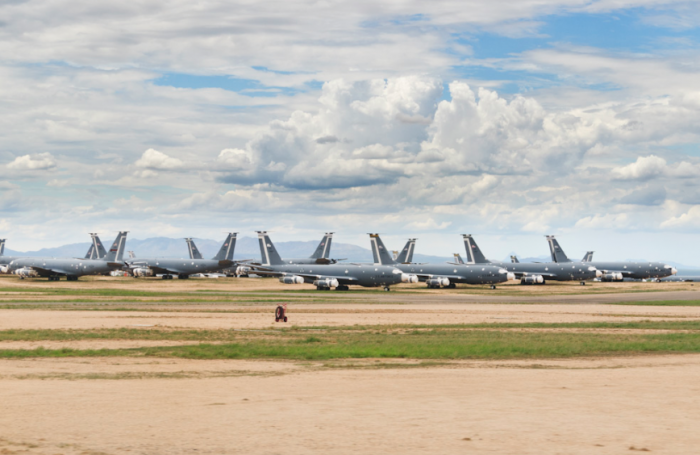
506 120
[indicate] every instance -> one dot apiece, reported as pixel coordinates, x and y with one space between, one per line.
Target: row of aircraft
326 273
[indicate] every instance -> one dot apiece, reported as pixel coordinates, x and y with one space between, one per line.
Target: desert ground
102 366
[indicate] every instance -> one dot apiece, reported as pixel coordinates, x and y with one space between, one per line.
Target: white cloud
36 162
644 168
155 160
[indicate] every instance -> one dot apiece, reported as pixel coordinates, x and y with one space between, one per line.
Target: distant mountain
246 248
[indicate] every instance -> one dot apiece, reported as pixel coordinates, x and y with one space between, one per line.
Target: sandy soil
336 314
170 406
604 406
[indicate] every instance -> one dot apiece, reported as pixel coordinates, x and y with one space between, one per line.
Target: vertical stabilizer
556 251
227 248
131 255
379 251
406 255
474 254
90 252
588 257
268 252
458 259
99 251
514 259
323 250
2 247
116 251
192 249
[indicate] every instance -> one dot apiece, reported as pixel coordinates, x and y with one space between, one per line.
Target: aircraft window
546 268
346 271
375 269
454 271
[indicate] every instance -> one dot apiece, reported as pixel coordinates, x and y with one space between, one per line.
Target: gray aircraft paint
192 248
458 259
572 271
365 275
514 259
74 267
454 273
183 268
588 257
635 270
319 256
406 254
5 260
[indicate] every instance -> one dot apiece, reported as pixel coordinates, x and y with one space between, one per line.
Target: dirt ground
86 406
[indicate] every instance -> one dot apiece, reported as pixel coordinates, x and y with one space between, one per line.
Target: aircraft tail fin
323 250
474 254
116 251
227 248
406 255
2 247
192 249
132 255
588 257
558 254
514 259
458 259
379 251
99 251
269 253
90 252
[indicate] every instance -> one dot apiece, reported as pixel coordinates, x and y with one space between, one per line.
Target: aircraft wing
49 272
519 275
262 271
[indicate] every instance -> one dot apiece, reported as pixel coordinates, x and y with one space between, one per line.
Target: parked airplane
5 260
458 259
514 259
441 275
588 257
616 271
533 272
71 268
183 268
406 254
324 276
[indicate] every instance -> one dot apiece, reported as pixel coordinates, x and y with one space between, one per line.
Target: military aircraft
533 272
588 257
71 268
183 268
615 271
441 275
324 276
514 259
682 278
406 254
458 259
5 260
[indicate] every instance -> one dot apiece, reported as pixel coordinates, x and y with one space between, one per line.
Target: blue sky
508 120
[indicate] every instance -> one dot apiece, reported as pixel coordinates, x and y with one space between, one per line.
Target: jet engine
4 269
292 279
143 271
438 282
242 270
612 276
26 272
509 275
326 283
532 279
598 273
406 278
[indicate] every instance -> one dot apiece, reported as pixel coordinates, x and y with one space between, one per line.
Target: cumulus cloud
155 160
36 162
643 169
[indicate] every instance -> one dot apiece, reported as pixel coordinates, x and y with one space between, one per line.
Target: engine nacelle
143 271
326 283
293 279
438 282
612 276
26 272
118 273
406 278
4 269
532 279
242 270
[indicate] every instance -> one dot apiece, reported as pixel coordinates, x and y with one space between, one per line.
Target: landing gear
322 288
386 288
342 287
182 276
583 283
493 286
54 278
280 313
71 278
451 286
167 277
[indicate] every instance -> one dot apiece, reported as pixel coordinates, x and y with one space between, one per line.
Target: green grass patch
432 345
